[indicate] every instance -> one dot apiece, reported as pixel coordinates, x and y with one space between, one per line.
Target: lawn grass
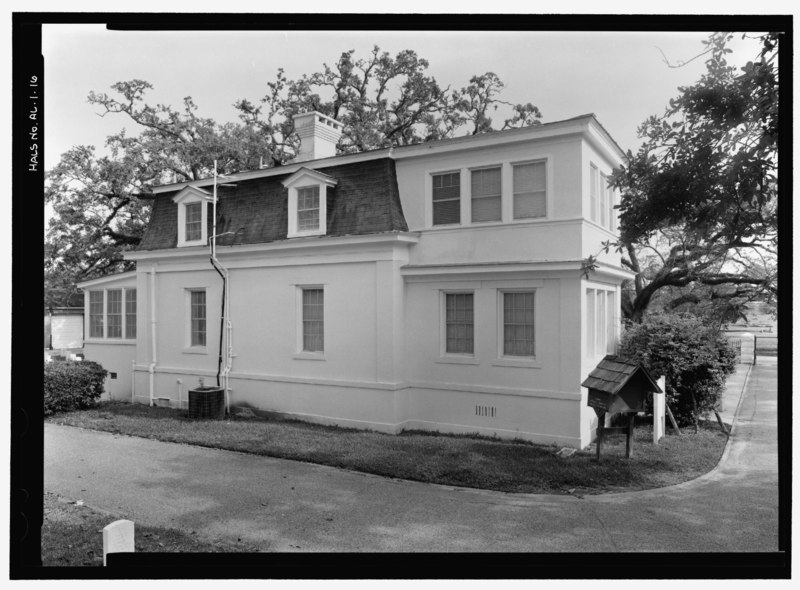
72 535
469 461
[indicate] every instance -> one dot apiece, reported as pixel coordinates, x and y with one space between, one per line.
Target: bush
72 385
692 355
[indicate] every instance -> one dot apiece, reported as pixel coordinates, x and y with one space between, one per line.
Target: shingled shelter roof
365 200
614 372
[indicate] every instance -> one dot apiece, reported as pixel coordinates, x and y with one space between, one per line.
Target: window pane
486 194
518 324
446 198
130 313
313 320
590 312
194 220
530 190
96 314
459 336
593 182
600 326
611 313
308 208
114 313
198 318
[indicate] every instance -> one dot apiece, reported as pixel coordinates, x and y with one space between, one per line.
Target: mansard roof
365 200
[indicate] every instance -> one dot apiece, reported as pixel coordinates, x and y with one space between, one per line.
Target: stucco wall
115 358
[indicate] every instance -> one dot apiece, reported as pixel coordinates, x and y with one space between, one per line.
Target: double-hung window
194 221
308 208
313 320
446 198
530 190
601 317
459 323
486 194
197 317
96 315
130 313
518 324
114 313
594 187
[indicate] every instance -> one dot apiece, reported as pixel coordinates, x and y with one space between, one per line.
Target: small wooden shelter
618 386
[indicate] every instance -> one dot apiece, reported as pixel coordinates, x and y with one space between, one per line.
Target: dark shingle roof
365 200
613 373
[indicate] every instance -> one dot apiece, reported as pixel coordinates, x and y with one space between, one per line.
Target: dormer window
308 198
192 216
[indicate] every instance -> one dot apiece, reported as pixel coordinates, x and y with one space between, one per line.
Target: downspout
133 381
224 320
154 359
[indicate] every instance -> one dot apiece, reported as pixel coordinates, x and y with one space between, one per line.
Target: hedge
72 385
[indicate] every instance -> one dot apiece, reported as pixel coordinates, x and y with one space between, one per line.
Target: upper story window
601 199
530 190
308 202
447 198
192 216
486 195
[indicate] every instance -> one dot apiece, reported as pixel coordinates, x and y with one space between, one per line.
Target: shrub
692 355
72 385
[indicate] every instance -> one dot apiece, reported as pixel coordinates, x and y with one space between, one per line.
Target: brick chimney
318 136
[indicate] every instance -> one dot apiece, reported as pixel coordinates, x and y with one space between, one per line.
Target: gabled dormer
308 202
192 216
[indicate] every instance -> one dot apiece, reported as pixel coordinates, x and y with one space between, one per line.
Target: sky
619 76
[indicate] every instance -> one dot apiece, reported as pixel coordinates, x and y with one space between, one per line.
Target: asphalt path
281 505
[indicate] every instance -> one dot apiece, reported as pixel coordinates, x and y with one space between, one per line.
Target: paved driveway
282 505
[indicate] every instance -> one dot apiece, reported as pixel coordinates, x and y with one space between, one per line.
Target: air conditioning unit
207 403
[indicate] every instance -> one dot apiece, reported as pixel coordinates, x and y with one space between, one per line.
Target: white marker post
118 538
660 411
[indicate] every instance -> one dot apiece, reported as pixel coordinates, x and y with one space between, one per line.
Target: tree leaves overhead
101 203
698 211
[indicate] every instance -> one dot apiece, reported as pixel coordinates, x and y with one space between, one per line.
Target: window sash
194 221
593 183
308 208
197 318
459 323
446 196
590 321
130 313
518 324
96 314
486 194
530 190
313 320
603 200
114 313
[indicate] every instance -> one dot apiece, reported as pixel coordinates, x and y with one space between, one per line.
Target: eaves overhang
107 280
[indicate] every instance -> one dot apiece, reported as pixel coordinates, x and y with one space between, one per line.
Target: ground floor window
197 317
313 320
107 307
601 319
518 324
459 323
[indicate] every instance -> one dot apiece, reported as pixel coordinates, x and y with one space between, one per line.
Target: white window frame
467 357
188 196
462 196
188 346
126 315
300 353
546 162
501 353
601 321
594 197
470 172
307 178
104 314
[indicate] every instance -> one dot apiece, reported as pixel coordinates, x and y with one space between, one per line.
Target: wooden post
722 424
672 418
755 347
629 437
601 423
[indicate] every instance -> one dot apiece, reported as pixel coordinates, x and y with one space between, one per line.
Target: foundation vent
486 411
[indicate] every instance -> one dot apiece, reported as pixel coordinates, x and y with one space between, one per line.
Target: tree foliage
101 203
698 210
692 355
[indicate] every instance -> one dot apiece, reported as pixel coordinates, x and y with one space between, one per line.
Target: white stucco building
436 286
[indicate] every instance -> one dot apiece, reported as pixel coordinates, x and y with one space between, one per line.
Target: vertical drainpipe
133 381
154 359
